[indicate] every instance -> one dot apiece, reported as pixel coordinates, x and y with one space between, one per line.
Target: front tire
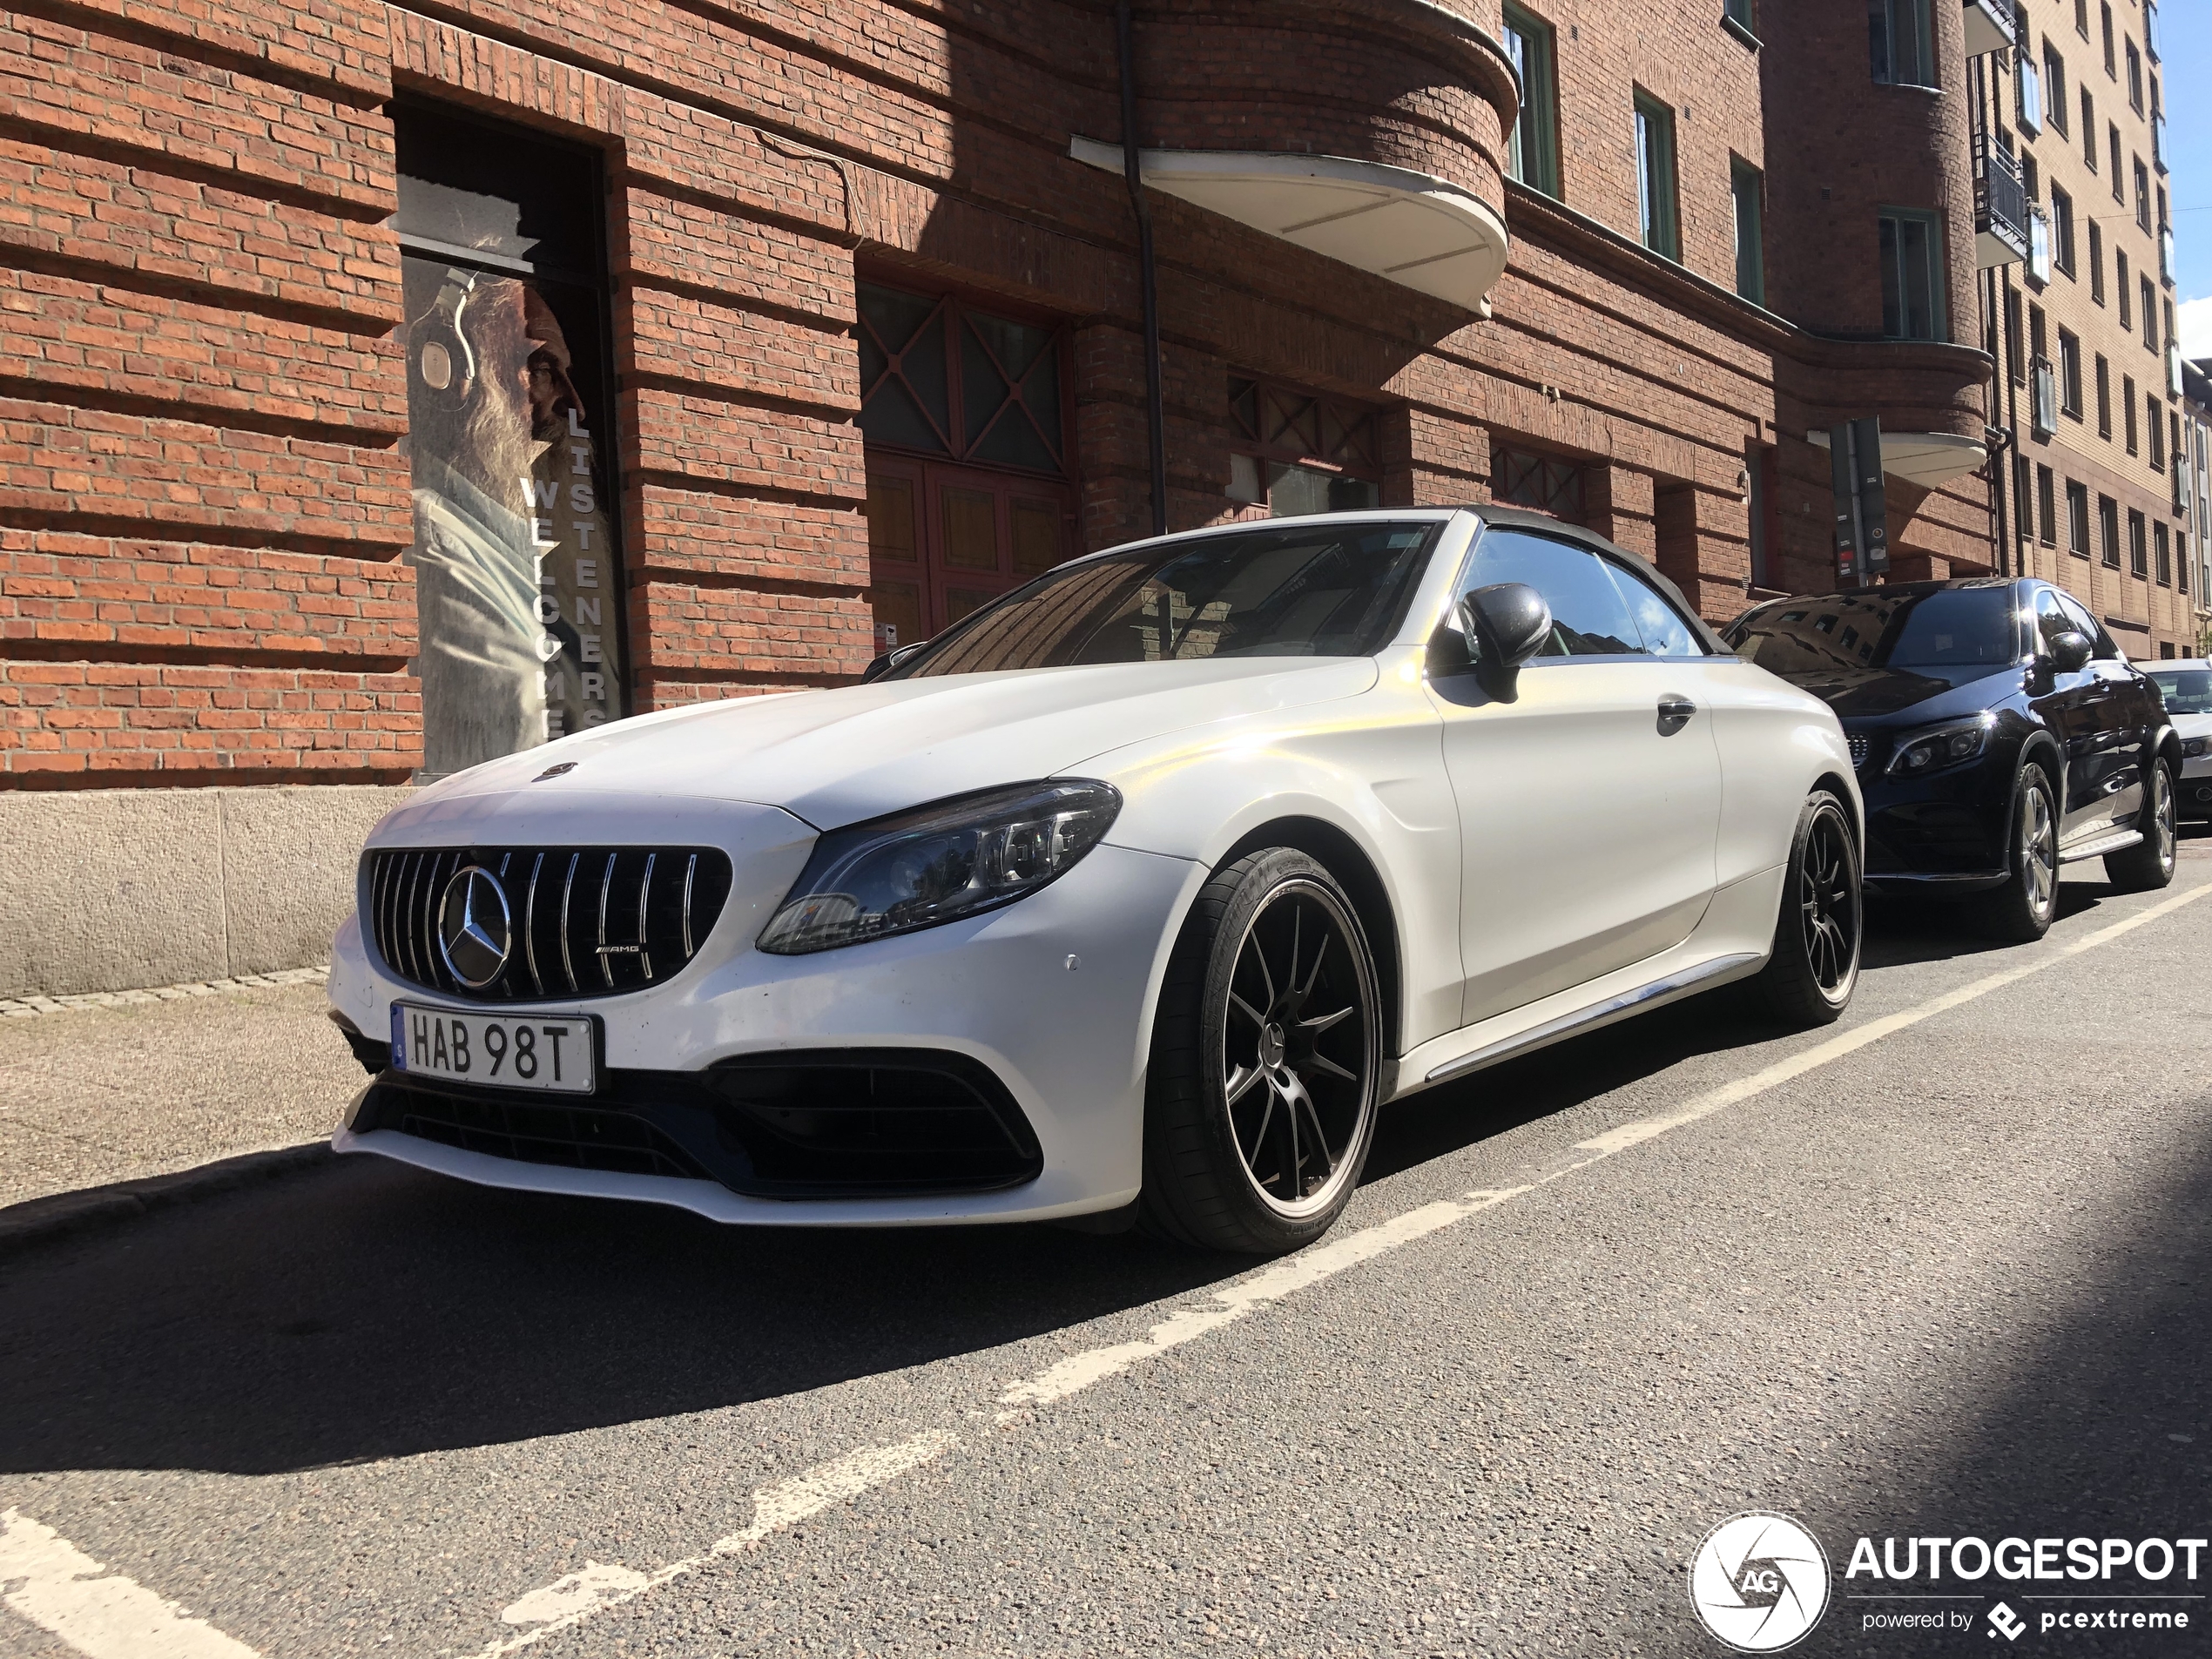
1813 970
2148 865
1267 1062
2022 909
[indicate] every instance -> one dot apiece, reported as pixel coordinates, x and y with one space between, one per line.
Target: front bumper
1049 998
2193 793
1949 833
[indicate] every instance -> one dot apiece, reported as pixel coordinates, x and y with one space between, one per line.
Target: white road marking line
105 1615
568 1602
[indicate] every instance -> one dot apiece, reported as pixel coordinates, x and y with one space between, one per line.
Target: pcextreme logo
1759 1582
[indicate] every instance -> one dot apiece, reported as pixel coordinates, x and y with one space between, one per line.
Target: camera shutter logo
1759 1582
475 931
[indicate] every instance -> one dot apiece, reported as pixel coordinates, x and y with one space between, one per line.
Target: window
2109 532
2027 96
2163 551
1758 467
2054 86
1544 483
2156 417
2135 79
2142 194
2023 503
2077 519
1532 151
2096 262
518 576
2150 315
2137 551
2119 283
1911 277
2070 373
2106 10
1293 452
1738 12
1900 44
1655 201
963 426
2127 409
2015 350
2088 129
2061 230
2039 247
2046 508
2038 334
1599 609
1750 254
2104 397
2119 179
2081 19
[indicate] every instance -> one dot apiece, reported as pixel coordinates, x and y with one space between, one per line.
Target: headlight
938 863
2194 746
1940 746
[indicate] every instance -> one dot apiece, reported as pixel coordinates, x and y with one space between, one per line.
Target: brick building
388 387
2070 124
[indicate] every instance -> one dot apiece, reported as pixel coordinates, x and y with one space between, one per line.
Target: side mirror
1508 622
890 660
2070 652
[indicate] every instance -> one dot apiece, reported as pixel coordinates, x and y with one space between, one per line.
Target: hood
834 758
1868 693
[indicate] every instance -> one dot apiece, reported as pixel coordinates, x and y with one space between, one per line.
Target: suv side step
2101 846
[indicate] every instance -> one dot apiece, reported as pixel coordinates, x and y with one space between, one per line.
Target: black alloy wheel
1813 970
2148 865
2021 910
1267 1062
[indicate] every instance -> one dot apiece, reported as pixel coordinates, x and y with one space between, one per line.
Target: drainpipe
1124 41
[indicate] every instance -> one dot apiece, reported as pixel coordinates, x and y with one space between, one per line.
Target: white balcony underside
1412 228
1927 460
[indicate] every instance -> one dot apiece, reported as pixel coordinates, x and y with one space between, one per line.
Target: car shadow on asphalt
1900 932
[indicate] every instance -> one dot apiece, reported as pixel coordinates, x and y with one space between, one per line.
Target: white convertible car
1134 895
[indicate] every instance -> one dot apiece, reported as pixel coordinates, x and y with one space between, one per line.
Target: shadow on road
367 1310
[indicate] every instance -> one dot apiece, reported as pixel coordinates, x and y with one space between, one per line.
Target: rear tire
2022 909
1267 1060
1813 969
2148 865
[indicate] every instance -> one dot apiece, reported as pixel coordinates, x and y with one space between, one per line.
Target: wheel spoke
1330 1066
1321 1139
1259 1138
1259 955
1326 1021
1247 1010
1240 1083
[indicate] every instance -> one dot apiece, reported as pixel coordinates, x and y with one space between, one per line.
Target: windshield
1949 634
1293 591
2186 691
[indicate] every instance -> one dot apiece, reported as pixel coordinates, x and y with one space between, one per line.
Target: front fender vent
579 921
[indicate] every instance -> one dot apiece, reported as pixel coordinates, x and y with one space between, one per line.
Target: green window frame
1532 148
1659 220
1912 253
1748 185
1901 43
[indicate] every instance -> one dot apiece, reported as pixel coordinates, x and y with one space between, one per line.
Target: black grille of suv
581 921
1857 753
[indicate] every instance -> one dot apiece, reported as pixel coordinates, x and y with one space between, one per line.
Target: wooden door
944 541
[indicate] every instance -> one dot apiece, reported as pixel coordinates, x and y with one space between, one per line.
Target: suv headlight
1940 746
938 863
2192 748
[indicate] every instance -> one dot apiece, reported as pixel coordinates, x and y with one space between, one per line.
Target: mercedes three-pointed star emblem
475 931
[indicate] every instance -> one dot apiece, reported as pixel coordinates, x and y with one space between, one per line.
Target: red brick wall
204 502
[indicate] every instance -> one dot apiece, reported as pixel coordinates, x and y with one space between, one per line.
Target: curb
26 1004
37 1221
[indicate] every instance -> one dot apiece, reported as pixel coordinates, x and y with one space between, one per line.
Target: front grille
1858 751
575 1137
584 921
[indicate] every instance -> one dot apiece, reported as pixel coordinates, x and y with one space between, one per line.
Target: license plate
555 1053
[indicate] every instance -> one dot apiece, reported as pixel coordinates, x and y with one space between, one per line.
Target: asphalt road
1947 1277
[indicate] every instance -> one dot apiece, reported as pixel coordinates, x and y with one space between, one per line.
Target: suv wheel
2022 909
2148 865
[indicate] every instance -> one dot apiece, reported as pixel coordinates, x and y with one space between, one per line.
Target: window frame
2054 110
2096 262
2138 545
1931 227
1621 567
1538 120
2069 372
1885 66
2047 506
1658 176
2062 248
2077 518
1356 457
2109 532
1747 188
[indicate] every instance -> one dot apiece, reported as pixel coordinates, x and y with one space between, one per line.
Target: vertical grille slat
406 897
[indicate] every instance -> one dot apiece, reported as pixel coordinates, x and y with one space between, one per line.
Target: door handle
1673 714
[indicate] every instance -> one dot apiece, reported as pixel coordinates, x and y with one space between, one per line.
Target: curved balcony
1369 130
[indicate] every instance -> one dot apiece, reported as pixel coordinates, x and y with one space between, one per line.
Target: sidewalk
118 1089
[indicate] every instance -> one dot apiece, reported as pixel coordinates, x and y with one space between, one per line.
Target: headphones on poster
441 357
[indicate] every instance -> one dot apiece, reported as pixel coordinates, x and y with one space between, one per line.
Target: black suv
1974 709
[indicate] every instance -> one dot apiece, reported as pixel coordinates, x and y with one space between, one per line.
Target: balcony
1989 27
2045 411
2000 206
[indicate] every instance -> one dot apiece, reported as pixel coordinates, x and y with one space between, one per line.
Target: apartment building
2070 123
391 387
